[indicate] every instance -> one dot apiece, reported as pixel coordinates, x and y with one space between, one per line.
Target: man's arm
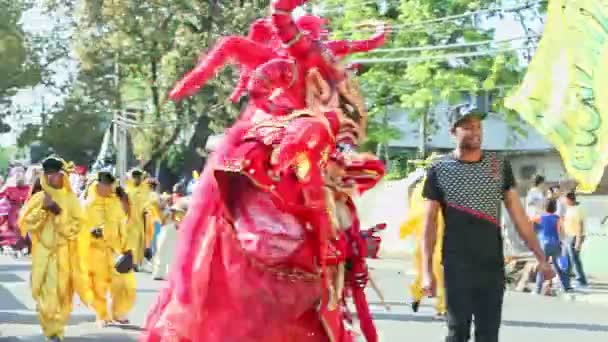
429 237
580 236
432 194
524 227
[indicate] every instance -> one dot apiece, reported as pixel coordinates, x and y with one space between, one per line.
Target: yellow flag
564 94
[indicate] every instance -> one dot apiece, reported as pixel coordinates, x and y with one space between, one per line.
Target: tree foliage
130 53
426 79
19 67
151 45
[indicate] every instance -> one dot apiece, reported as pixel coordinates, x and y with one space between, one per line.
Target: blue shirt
548 228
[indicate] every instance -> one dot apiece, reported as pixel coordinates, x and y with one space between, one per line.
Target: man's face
468 134
104 190
137 180
55 179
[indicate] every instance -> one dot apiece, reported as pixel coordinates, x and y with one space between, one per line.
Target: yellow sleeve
122 222
77 219
32 216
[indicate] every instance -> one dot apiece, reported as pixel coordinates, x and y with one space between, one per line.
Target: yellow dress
59 262
107 212
415 225
139 201
153 217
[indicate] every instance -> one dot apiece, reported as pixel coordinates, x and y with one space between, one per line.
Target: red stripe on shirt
475 213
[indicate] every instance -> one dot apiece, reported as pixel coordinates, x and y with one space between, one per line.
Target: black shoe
53 339
415 305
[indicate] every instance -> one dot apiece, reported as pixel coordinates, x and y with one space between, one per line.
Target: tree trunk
154 86
202 132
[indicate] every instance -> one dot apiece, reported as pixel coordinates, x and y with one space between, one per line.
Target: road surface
527 318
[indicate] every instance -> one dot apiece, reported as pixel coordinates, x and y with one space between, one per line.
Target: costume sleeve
432 190
77 219
122 227
32 216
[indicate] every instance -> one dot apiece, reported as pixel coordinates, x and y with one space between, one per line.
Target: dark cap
52 165
462 112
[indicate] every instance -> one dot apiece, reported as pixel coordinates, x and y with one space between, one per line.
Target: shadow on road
9 302
14 268
147 291
32 319
509 323
128 327
101 337
387 316
561 326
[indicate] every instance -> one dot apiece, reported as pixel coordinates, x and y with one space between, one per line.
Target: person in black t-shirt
468 186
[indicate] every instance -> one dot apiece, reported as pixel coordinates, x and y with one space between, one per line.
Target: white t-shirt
535 202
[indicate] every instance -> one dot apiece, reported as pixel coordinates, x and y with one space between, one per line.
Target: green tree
419 80
18 66
151 45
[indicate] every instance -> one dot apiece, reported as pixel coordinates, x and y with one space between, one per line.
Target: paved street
527 318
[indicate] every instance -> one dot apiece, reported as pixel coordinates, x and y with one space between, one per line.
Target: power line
338 9
436 57
501 9
452 46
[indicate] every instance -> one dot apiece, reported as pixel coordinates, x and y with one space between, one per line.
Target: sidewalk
596 294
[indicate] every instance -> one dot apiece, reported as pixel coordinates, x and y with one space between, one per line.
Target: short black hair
551 206
105 177
137 173
52 165
538 180
572 197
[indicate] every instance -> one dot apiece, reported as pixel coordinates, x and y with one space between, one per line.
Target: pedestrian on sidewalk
575 236
468 186
535 199
549 232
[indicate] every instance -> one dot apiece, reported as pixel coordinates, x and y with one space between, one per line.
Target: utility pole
120 131
423 129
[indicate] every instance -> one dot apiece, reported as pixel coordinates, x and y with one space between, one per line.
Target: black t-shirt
470 194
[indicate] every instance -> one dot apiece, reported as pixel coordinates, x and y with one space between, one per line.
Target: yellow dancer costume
106 213
153 214
415 225
58 249
139 199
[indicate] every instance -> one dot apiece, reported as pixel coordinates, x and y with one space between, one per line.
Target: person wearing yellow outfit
106 218
54 219
414 225
153 217
139 200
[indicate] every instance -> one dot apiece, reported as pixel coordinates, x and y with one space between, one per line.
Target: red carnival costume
14 194
256 258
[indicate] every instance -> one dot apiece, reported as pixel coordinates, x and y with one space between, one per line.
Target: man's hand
578 243
97 232
50 205
429 284
546 270
431 210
